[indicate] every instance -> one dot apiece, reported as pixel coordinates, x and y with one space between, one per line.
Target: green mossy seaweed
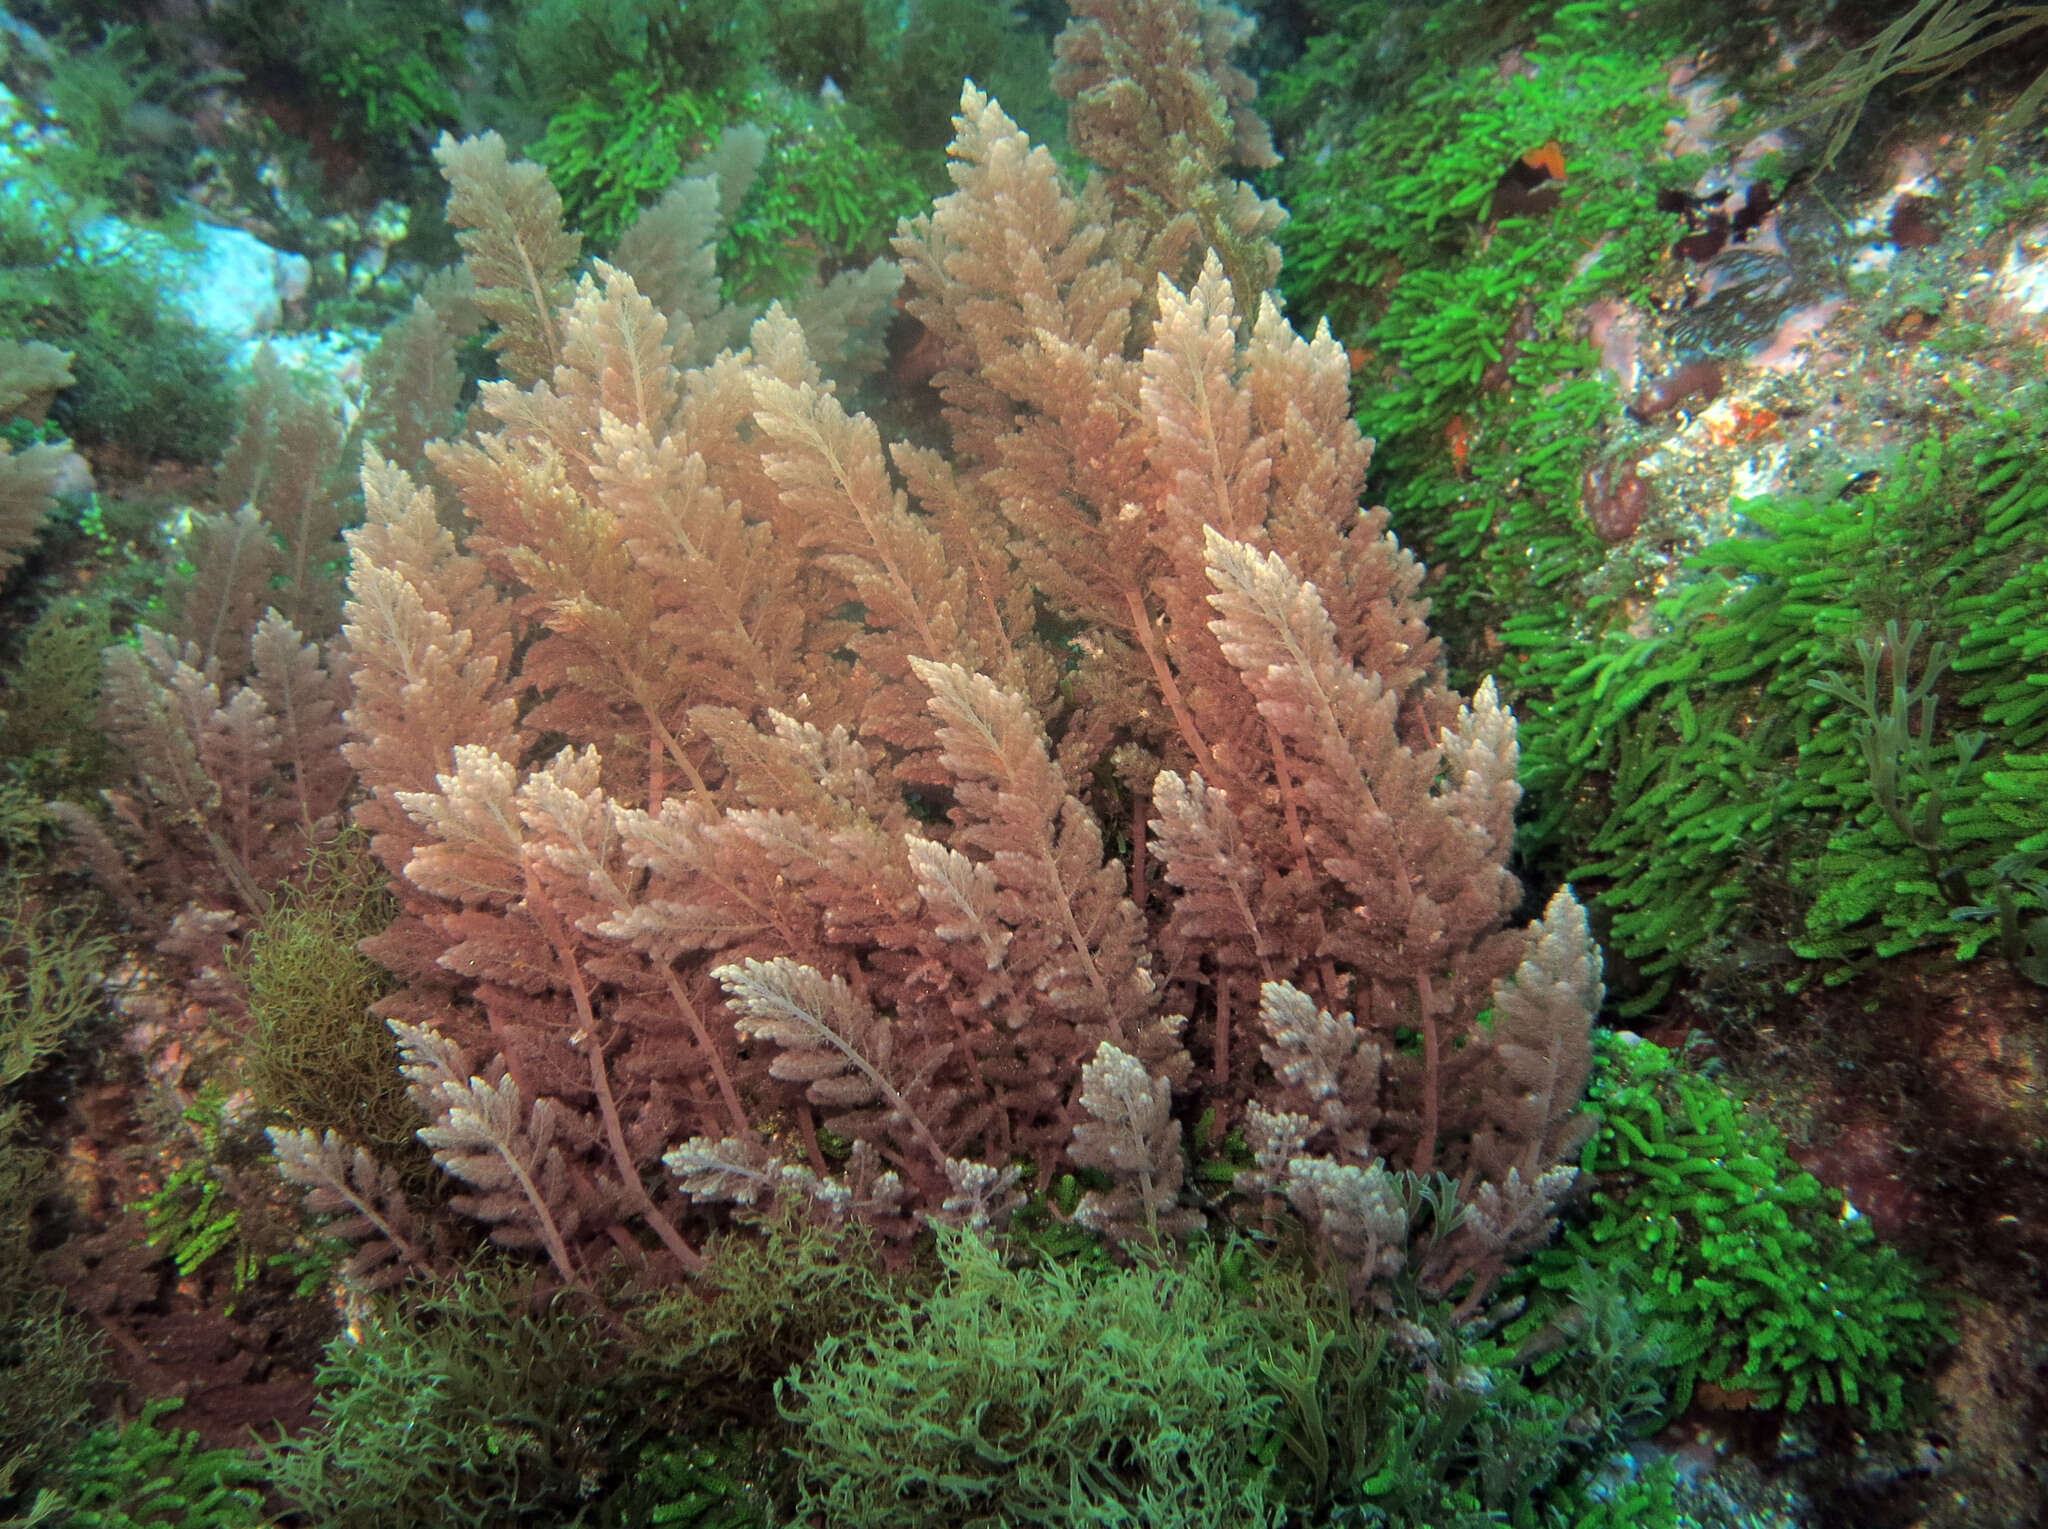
1765 1283
147 382
1720 787
316 1057
145 1476
51 967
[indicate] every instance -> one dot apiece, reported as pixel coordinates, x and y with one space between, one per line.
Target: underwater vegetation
823 188
1693 763
151 1473
48 992
1931 41
144 379
1757 1278
1843 713
687 957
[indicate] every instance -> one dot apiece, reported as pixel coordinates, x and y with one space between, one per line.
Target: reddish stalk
1182 719
726 1091
586 1039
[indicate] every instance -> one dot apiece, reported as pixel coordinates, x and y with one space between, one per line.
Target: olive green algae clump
1031 1390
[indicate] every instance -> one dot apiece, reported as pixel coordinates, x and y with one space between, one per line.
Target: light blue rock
228 282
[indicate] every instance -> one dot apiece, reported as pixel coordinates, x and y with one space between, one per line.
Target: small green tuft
317 1056
146 1477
